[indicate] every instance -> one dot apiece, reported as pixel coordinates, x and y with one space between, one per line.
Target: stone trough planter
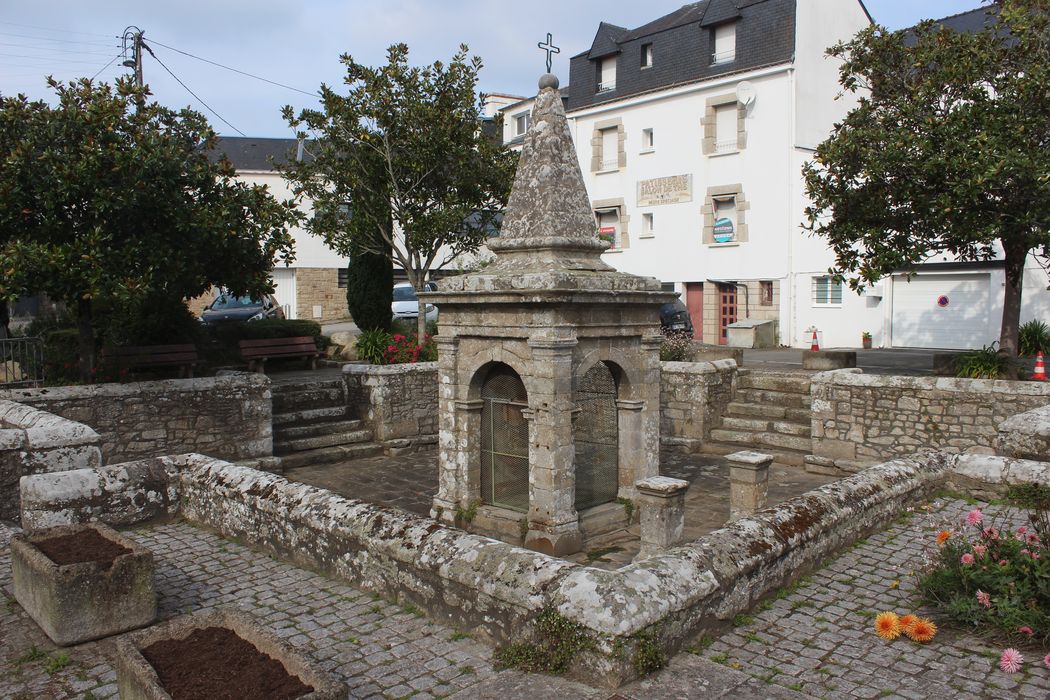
199 647
83 582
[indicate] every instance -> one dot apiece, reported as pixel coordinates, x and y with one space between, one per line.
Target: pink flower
1046 660
990 533
979 549
1022 530
1025 630
974 517
1011 660
1003 562
1033 538
984 599
966 559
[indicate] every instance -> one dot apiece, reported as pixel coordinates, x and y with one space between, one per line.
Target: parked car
674 317
230 309
405 303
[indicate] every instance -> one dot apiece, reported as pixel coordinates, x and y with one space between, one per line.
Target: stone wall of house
692 397
35 442
1026 435
861 419
399 401
319 286
228 417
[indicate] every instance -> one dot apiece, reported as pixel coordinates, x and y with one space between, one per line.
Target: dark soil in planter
86 545
216 664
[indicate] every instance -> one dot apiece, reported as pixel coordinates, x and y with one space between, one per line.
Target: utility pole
133 42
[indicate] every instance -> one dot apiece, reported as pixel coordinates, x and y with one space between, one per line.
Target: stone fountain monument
549 367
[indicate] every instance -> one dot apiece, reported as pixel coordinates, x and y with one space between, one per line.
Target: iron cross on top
550 48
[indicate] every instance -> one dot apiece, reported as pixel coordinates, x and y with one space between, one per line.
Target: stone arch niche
504 476
547 310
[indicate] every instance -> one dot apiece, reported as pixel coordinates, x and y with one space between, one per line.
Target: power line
186 87
50 29
250 75
61 41
54 49
100 70
51 59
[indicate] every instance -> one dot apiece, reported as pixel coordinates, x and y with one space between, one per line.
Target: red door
694 301
726 310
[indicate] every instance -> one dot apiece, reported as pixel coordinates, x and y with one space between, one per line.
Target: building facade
692 131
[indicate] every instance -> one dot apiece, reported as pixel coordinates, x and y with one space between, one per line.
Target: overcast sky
299 43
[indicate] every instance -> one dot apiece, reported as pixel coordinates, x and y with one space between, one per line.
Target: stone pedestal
748 482
661 511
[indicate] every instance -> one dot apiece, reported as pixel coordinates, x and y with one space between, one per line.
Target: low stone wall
400 401
1026 435
693 395
988 477
861 419
228 417
33 442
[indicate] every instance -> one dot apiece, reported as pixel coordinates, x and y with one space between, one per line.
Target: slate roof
682 45
248 153
972 21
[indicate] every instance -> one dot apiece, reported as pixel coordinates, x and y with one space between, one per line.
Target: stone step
310 415
312 443
312 397
328 455
790 458
792 428
773 398
328 427
763 439
754 425
742 409
787 383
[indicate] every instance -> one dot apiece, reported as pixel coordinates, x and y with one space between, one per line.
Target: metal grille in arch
504 440
596 435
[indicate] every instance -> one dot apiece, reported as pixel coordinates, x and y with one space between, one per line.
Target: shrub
676 347
986 363
1034 337
992 577
60 356
372 344
157 319
404 349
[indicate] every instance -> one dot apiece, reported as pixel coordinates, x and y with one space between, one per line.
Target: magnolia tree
106 197
948 151
399 165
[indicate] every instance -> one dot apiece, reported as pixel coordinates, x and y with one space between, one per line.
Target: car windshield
230 302
405 294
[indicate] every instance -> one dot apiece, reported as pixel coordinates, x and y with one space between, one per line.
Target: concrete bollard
748 482
661 512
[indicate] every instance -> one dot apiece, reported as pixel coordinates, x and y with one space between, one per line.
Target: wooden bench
257 352
145 356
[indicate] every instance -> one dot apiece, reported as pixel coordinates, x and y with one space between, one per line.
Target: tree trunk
86 339
1008 332
421 322
5 319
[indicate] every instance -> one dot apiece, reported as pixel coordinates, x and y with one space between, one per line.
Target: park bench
148 356
257 352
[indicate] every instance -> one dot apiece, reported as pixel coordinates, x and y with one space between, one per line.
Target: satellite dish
745 94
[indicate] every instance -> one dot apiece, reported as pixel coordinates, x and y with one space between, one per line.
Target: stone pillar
661 505
748 482
553 523
459 459
632 447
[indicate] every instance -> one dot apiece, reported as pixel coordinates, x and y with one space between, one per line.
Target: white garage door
941 311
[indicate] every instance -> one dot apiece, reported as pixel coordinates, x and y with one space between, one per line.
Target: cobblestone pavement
818 638
409 482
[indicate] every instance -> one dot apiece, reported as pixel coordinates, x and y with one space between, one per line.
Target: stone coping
703 367
114 389
856 377
43 430
404 368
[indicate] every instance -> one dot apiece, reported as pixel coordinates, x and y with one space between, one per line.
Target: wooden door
694 301
726 310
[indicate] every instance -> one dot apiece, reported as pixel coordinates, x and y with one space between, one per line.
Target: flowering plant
404 348
989 572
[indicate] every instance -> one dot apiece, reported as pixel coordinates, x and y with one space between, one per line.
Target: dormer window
607 74
724 36
522 122
647 55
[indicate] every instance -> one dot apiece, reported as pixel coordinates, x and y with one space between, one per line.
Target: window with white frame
724 44
607 74
522 122
826 291
648 144
726 128
647 225
610 149
647 55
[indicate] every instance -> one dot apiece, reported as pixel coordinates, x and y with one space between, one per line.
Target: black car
674 318
230 309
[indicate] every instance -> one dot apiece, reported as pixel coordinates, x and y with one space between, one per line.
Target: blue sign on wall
725 231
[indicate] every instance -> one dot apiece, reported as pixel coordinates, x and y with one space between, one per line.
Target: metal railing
726 146
606 87
723 57
21 362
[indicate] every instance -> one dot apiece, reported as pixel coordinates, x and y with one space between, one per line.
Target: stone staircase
770 413
312 425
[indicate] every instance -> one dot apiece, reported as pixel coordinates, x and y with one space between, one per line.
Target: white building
691 133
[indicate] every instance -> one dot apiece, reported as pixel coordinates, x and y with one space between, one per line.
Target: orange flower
907 621
922 631
943 536
888 626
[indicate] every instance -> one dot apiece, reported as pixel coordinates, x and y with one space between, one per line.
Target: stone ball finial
548 80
